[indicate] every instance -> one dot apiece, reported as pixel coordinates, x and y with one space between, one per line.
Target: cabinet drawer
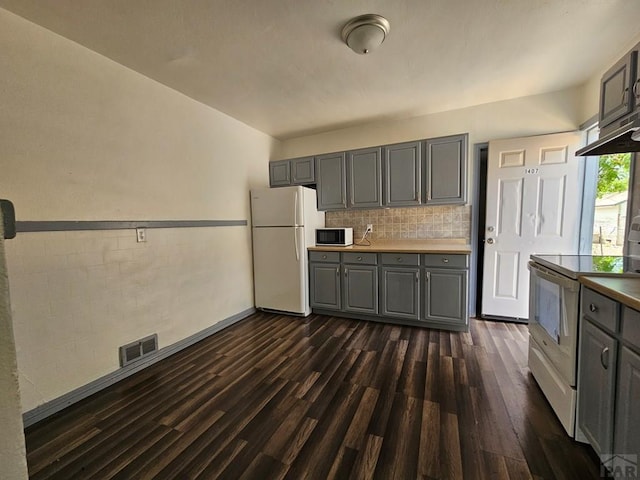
357 257
443 260
401 259
631 327
600 309
333 257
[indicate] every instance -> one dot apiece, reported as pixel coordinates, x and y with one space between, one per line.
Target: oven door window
548 307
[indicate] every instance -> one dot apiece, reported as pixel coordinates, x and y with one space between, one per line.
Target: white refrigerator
284 221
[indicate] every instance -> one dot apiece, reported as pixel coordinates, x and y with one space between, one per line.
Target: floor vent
136 350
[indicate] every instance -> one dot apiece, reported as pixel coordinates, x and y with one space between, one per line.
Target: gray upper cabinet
445 170
364 176
402 165
279 173
616 90
331 175
297 171
303 171
596 379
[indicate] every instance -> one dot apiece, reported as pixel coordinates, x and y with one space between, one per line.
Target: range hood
622 140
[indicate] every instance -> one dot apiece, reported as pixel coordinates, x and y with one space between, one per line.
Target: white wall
84 138
13 462
534 115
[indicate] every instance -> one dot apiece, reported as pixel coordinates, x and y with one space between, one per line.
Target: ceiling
281 67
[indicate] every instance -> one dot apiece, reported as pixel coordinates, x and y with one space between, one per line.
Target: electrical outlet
141 234
370 227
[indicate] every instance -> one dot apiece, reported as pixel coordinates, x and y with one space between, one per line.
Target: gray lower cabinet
325 286
596 383
279 173
445 296
364 178
627 422
445 170
360 288
331 176
389 286
402 165
401 292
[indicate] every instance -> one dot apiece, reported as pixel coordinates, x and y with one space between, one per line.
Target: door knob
490 241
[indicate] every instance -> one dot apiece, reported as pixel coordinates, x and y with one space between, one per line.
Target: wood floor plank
276 396
429 450
367 460
399 454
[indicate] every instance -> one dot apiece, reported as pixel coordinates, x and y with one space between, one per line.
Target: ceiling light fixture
365 33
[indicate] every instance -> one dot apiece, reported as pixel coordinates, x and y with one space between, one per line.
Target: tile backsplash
452 221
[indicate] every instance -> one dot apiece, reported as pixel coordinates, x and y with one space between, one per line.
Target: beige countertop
625 290
445 245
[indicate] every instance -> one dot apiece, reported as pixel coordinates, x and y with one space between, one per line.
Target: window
610 212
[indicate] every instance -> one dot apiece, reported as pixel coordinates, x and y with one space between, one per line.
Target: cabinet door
360 289
303 171
627 424
616 98
325 285
279 173
400 292
364 173
597 373
445 170
331 174
445 296
402 165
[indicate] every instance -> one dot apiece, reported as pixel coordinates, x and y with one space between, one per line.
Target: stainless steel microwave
334 236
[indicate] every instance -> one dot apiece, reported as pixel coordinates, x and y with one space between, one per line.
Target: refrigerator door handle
295 213
295 242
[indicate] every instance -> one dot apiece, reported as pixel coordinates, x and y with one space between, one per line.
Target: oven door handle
552 277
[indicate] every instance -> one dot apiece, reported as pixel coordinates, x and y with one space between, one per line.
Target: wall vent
134 351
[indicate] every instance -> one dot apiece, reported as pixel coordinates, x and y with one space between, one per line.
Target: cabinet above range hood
621 140
619 108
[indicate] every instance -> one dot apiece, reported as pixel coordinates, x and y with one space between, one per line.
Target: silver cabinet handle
346 271
417 277
445 260
625 102
427 276
593 307
359 259
604 358
399 259
324 257
338 271
635 88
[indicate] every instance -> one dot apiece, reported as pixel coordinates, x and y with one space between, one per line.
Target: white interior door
534 190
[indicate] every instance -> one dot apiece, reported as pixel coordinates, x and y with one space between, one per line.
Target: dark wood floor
323 397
